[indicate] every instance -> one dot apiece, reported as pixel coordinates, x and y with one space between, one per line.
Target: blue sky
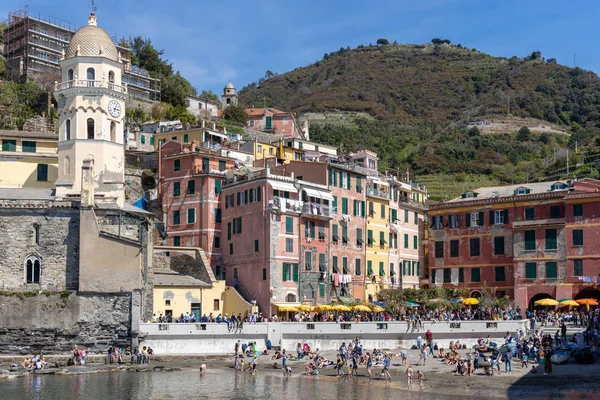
211 42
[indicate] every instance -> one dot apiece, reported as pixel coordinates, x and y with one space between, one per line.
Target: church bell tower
91 106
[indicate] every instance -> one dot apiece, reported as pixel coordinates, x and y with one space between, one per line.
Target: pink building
190 184
274 121
277 233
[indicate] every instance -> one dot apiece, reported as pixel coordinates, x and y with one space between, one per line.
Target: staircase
241 289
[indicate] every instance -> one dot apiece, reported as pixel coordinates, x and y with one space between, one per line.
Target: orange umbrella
591 302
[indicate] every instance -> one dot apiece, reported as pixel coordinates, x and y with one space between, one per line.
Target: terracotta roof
261 111
508 191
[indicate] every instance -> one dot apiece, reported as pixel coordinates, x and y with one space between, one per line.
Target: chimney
87 183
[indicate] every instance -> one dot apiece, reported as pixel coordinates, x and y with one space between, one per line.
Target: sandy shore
438 377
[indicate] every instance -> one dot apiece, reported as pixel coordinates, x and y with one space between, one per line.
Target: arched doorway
537 297
68 130
91 76
476 294
70 75
588 293
111 77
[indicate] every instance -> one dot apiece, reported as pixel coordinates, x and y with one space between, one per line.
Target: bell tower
229 97
91 107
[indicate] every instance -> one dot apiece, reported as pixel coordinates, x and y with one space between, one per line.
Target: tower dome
229 85
92 41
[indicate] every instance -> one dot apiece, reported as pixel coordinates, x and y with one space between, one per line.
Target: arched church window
68 130
70 75
228 101
113 132
111 77
90 128
290 298
33 269
91 76
36 233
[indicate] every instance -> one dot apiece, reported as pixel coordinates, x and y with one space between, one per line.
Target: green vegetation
19 102
423 96
235 114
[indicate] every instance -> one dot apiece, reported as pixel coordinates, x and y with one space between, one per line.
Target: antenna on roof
94 8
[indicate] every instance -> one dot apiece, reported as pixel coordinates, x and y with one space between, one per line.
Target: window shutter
240 225
295 272
330 176
480 218
349 180
238 198
492 217
340 181
363 208
506 216
258 193
285 272
217 186
468 220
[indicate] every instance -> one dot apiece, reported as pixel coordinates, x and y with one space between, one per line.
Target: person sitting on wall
109 355
134 356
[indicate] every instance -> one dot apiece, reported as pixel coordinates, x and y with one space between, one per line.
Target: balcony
539 223
89 84
314 210
284 205
376 192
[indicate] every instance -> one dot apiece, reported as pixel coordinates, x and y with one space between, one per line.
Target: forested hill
413 105
434 84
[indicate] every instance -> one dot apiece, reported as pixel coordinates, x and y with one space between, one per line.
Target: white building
201 107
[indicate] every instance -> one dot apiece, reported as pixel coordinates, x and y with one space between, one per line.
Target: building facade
525 241
190 184
28 159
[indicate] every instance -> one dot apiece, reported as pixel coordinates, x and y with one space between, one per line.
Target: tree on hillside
3 26
236 113
440 41
209 94
382 41
175 89
524 134
536 55
144 55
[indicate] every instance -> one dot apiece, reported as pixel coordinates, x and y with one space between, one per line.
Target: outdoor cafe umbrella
341 307
322 307
546 302
361 307
287 309
304 307
591 302
569 303
470 301
378 309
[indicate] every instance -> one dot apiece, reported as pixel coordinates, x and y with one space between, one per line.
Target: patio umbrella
546 302
591 302
341 307
471 301
304 307
569 303
287 309
378 309
361 307
322 307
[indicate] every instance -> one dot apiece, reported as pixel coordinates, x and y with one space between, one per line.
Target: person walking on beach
424 354
508 361
409 376
420 375
386 368
369 364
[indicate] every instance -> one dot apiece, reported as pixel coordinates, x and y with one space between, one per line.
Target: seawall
212 338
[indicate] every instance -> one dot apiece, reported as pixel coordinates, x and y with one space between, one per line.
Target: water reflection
217 385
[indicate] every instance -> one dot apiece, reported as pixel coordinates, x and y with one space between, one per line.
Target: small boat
561 356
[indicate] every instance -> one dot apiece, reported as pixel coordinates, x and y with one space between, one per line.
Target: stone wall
57 247
55 323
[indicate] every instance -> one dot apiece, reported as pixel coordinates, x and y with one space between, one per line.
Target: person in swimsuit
409 376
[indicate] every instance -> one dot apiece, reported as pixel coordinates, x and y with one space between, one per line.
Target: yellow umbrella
378 309
546 302
566 303
322 307
471 301
288 309
304 307
361 307
341 307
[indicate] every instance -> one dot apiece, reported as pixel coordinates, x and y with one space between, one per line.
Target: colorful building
378 234
348 234
190 184
527 241
277 237
28 159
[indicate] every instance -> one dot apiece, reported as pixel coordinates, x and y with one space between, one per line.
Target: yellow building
378 231
28 159
195 135
177 294
286 154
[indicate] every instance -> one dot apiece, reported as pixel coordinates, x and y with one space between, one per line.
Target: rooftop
28 134
494 192
167 277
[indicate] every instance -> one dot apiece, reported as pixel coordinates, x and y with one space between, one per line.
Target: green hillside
441 109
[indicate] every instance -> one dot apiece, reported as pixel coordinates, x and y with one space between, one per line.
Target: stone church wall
58 247
55 323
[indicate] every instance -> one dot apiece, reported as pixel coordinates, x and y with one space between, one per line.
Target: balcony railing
286 205
375 192
77 83
317 210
